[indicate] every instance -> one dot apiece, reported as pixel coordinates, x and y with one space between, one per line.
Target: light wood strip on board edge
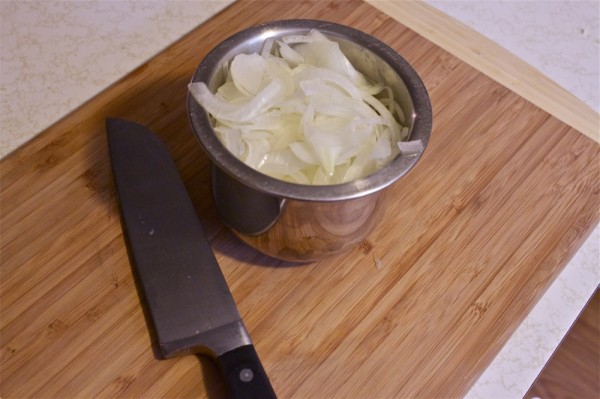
494 61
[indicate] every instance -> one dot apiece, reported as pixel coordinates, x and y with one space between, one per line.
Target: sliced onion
222 109
304 152
247 71
267 48
290 55
299 111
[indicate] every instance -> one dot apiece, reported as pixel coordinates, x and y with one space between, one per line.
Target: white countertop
55 55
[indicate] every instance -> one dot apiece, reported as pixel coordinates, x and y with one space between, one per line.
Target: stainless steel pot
298 222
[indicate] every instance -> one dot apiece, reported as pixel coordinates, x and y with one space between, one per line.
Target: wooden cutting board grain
503 197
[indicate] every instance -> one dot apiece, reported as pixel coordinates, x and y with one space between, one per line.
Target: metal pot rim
222 158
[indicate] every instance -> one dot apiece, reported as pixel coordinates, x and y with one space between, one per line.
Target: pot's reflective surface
307 231
301 222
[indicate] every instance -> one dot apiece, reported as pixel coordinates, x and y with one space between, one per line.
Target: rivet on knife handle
187 298
245 375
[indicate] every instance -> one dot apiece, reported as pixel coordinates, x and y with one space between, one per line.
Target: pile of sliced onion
299 111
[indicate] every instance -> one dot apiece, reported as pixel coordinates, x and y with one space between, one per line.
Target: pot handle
242 208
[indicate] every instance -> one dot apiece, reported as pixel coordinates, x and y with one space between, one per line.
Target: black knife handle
245 375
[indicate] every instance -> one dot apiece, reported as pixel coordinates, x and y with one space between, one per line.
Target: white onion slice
247 71
290 55
243 112
413 147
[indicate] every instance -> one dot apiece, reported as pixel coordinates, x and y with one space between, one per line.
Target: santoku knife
187 298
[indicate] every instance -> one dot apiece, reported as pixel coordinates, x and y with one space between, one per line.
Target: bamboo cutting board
503 196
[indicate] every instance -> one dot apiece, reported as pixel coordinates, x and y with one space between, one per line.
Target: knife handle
245 375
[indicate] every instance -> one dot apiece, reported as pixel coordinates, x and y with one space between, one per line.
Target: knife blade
187 298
